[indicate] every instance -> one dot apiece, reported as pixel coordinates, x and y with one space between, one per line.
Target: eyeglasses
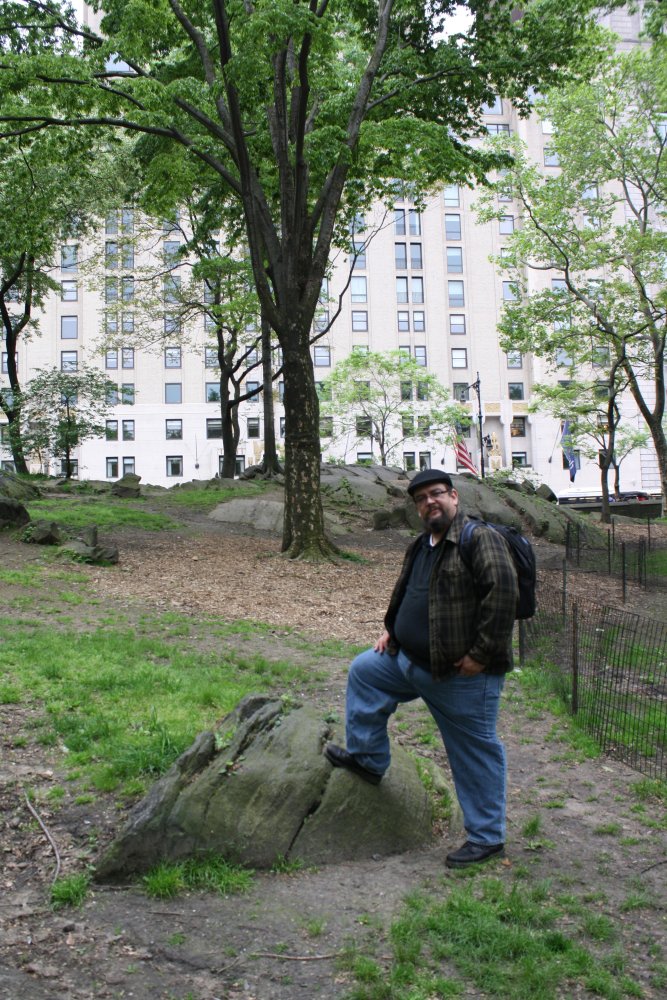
434 495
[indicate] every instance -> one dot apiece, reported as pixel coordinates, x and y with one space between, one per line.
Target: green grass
212 874
75 513
207 498
505 941
69 890
125 704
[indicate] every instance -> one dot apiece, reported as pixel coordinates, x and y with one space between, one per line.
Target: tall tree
50 185
387 399
62 409
299 108
597 227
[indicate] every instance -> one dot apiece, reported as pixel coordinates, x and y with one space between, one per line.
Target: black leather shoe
341 758
473 854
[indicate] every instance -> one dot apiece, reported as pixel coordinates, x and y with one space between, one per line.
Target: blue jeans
465 710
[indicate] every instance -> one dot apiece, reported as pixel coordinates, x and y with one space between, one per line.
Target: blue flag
568 450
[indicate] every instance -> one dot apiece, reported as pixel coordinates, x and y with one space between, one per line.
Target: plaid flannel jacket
469 612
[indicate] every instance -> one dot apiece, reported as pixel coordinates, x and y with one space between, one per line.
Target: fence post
648 532
564 607
643 565
624 574
613 532
575 658
522 642
609 551
578 546
568 542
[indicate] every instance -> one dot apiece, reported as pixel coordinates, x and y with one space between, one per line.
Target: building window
459 357
128 256
127 289
212 392
111 430
111 255
403 320
364 458
69 290
360 255
69 327
69 361
110 290
551 158
127 357
455 293
506 225
406 391
112 395
174 465
422 391
127 393
322 353
111 223
420 356
409 461
211 357
173 392
518 427
128 465
171 250
326 427
419 321
399 221
69 259
510 291
461 392
451 196
173 430
172 357
453 227
519 459
417 289
128 430
454 260
416 258
358 288
112 468
359 320
281 390
400 256
515 390
127 220
563 359
514 359
252 387
497 128
253 427
401 289
214 427
363 426
414 222
171 288
493 107
457 323
111 359
128 324
5 362
281 427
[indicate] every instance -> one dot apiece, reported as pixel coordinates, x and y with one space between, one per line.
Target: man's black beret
428 476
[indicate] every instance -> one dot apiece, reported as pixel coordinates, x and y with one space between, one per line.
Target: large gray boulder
127 487
12 513
16 488
260 788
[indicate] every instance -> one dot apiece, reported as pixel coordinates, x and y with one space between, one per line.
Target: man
447 639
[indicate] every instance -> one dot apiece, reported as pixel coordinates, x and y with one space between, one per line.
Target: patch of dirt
284 937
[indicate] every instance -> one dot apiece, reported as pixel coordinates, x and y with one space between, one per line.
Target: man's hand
382 643
468 667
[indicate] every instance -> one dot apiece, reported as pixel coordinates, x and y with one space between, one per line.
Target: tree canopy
595 229
300 112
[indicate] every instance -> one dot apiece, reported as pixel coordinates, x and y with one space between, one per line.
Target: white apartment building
425 283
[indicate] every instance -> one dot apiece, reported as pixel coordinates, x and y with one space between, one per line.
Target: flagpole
477 386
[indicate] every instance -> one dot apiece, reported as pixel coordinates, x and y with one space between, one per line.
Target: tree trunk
605 515
303 532
230 429
13 411
270 464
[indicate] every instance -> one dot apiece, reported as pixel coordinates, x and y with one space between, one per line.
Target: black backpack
522 555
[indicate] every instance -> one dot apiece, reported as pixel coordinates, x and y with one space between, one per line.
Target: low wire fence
641 561
611 667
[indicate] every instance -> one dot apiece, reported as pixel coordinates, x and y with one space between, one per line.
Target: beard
438 522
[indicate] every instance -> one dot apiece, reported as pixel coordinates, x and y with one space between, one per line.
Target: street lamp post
477 387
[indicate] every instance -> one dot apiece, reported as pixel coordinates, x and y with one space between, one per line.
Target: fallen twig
656 865
294 958
48 836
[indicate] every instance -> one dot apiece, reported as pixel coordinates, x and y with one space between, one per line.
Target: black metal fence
611 668
642 561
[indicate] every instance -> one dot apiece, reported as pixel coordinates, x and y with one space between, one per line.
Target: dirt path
596 841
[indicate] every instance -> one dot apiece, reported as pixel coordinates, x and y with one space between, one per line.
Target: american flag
463 456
